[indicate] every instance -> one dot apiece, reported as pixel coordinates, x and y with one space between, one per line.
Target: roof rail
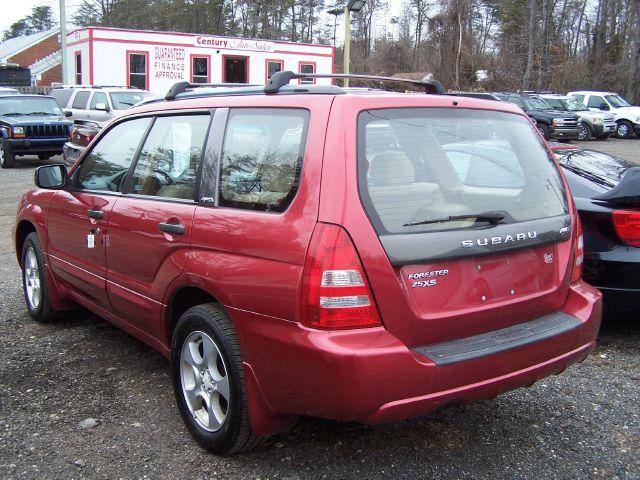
181 87
279 79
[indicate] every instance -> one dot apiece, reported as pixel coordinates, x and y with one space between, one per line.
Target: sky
21 8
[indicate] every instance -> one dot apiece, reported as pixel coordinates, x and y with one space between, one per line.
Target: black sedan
606 190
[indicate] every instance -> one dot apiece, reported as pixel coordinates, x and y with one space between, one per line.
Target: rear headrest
391 169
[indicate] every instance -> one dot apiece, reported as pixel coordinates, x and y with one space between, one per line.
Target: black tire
624 129
603 137
584 132
42 312
7 158
44 156
235 434
544 130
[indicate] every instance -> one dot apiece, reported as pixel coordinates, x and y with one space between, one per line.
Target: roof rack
280 79
181 87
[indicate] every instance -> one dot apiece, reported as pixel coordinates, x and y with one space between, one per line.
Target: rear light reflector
578 252
627 224
335 290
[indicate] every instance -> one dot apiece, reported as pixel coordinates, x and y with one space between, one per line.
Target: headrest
391 169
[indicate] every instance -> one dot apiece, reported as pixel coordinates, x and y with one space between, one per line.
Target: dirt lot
582 424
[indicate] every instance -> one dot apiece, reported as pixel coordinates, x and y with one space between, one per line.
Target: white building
156 60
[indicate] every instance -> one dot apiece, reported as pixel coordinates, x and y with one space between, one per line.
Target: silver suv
97 104
599 125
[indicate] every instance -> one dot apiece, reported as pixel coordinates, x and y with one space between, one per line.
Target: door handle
95 213
175 228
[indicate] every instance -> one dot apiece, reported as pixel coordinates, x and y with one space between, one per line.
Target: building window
200 69
274 66
78 69
307 67
138 69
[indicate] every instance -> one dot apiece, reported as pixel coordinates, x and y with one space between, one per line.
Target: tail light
627 224
82 134
578 252
335 290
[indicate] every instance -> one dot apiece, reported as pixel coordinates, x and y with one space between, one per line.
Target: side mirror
101 106
51 176
68 113
603 106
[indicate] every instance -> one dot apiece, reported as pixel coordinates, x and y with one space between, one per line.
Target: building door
236 69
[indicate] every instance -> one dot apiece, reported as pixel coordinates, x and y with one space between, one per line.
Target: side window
596 101
517 101
80 100
98 97
580 98
262 158
107 164
169 159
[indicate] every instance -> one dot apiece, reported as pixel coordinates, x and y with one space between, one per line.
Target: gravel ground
54 378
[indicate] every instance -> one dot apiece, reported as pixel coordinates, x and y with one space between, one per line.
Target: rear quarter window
423 170
80 100
262 158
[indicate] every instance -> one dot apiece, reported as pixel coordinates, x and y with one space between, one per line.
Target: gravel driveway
80 399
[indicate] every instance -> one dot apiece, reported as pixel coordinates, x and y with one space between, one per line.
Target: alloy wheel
2 155
205 381
583 132
32 280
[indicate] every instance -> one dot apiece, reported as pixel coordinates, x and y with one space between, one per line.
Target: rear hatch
472 214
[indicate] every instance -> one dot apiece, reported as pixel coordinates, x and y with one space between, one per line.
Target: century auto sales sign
234 44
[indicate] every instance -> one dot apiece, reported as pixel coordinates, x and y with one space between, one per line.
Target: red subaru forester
312 250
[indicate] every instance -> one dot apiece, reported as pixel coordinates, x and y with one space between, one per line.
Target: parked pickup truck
598 125
551 123
627 115
31 125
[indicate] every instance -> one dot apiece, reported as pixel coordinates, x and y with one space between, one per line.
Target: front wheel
34 281
7 158
544 130
208 381
584 132
624 129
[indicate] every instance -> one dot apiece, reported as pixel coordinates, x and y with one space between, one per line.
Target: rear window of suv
433 169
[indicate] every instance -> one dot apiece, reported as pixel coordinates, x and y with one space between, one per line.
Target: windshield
574 105
535 103
617 101
23 105
432 169
124 100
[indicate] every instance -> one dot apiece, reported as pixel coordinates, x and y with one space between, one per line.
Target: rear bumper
368 375
36 145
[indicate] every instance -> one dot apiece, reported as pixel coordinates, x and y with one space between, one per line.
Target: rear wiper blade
492 218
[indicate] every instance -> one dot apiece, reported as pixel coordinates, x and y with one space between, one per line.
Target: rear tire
7 158
544 130
35 281
624 129
201 381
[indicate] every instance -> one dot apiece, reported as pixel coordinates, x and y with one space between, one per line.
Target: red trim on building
77 42
146 73
90 56
266 66
244 57
198 55
315 69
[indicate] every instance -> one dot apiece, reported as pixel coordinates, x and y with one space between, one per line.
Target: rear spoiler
627 192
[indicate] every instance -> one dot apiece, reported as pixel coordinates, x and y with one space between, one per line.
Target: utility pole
63 42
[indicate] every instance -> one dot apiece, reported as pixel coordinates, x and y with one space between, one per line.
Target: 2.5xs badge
426 279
